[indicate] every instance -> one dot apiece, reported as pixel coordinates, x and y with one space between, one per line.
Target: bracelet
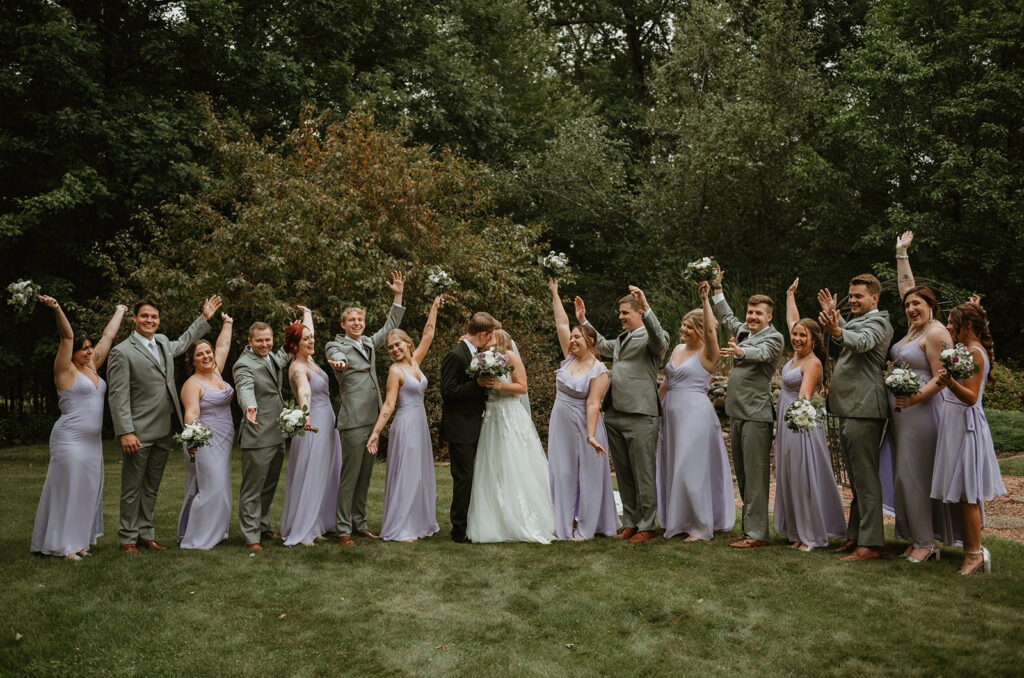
903 256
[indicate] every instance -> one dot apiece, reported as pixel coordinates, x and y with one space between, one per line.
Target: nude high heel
932 551
986 562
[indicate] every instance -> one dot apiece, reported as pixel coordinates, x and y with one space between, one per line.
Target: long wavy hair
973 317
817 348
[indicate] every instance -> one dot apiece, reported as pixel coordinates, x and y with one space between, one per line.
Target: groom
462 411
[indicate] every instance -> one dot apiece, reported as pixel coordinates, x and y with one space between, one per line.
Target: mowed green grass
601 608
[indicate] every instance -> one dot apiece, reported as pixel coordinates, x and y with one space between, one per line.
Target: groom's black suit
462 413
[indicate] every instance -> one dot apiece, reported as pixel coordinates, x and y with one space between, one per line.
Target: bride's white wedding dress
511 496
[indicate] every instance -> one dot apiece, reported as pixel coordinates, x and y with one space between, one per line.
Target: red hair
292 337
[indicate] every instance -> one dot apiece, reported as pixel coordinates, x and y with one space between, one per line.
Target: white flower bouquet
958 361
489 363
555 264
439 282
702 270
193 436
804 415
24 295
902 381
292 421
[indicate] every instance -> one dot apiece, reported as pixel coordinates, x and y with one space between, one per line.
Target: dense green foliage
782 137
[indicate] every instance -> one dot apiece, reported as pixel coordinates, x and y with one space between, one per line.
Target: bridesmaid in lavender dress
808 509
695 493
966 469
581 481
70 514
206 512
410 490
314 459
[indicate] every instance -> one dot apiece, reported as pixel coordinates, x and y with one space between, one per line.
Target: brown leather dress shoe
625 534
255 546
862 553
367 534
641 537
346 540
154 544
848 546
270 534
749 543
129 548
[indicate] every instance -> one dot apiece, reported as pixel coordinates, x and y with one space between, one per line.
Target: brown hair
972 316
869 281
589 335
761 299
292 337
928 296
633 303
817 346
482 321
81 336
402 336
502 341
258 326
148 301
190 354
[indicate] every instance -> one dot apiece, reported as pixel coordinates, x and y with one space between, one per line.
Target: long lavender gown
70 514
410 492
314 471
965 458
808 508
694 484
914 434
206 512
581 481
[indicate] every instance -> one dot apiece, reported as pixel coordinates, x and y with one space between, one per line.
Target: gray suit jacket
360 391
749 396
857 388
142 392
636 360
258 385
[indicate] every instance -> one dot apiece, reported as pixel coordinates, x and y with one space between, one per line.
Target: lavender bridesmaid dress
965 458
581 481
70 514
314 471
694 483
808 508
914 433
410 491
204 518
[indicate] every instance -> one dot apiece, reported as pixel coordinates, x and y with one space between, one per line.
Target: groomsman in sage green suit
145 408
631 409
259 375
354 359
755 347
857 395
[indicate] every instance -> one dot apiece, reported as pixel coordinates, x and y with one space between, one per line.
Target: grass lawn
437 608
1007 429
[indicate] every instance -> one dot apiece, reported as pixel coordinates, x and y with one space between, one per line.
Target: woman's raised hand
903 242
792 288
49 302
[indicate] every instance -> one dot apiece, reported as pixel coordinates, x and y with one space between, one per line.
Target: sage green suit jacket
749 396
856 388
142 391
258 385
359 388
636 359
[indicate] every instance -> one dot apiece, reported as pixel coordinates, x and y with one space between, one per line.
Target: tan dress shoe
862 553
154 544
346 540
367 534
848 546
749 543
255 546
641 537
625 534
129 548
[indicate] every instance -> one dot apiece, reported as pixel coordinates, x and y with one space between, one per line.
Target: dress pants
633 443
261 469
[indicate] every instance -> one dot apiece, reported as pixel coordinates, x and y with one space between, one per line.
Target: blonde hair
502 341
402 335
696 318
351 309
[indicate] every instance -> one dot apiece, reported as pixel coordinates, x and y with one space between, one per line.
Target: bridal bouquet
439 282
805 415
292 421
24 295
489 363
702 270
958 361
555 265
193 436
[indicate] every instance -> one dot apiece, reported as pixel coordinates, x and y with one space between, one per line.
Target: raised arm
710 352
428 331
598 386
220 351
395 377
605 348
904 277
307 317
63 369
792 314
657 338
561 317
199 327
102 347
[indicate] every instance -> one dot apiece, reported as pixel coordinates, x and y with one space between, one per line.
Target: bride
511 498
